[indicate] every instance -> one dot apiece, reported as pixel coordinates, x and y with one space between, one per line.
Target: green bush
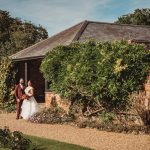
107 117
7 79
14 140
97 74
9 106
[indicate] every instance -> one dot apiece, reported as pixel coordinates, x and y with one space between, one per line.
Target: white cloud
55 15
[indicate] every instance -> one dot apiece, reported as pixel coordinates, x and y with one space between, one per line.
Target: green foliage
16 34
52 115
14 140
107 117
8 106
102 74
7 80
139 17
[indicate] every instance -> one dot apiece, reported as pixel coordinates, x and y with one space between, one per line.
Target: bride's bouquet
25 96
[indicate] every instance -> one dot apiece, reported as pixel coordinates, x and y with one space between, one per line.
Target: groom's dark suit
19 91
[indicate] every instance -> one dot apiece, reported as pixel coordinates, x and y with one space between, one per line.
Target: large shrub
97 74
7 83
14 140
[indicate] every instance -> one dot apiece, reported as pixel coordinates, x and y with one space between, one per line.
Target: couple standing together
26 103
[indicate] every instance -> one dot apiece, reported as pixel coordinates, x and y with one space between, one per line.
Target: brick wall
49 97
53 99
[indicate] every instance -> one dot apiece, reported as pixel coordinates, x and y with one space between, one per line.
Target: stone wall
53 99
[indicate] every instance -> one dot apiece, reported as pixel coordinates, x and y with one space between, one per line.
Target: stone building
28 60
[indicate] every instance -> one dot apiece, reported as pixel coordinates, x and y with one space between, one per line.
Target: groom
19 91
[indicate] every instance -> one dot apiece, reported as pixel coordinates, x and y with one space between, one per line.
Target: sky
57 15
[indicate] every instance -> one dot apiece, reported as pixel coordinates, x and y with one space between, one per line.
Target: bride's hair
30 82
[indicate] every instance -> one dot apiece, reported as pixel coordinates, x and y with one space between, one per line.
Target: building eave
27 58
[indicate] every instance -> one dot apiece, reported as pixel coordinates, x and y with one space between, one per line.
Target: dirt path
86 137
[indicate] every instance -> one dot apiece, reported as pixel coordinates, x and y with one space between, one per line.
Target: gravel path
91 138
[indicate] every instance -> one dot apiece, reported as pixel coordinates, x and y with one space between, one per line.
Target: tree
5 22
139 17
16 34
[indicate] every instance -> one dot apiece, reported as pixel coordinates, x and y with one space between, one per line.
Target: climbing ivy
7 79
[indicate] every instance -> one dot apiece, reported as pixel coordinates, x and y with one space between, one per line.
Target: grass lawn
46 144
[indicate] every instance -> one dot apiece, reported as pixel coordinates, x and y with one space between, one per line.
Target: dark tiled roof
85 31
110 32
40 49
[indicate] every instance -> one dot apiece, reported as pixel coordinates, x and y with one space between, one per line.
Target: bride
29 106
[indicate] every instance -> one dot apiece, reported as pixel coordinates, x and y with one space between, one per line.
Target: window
47 86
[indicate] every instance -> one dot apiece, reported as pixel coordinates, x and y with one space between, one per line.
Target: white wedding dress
29 106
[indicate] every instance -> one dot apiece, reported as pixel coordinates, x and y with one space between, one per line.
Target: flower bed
51 116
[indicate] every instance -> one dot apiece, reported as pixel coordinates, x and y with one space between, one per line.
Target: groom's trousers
19 104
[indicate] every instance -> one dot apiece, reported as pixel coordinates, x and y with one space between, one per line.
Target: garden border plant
105 122
53 115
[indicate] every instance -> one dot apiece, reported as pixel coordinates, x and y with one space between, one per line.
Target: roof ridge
111 23
84 25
